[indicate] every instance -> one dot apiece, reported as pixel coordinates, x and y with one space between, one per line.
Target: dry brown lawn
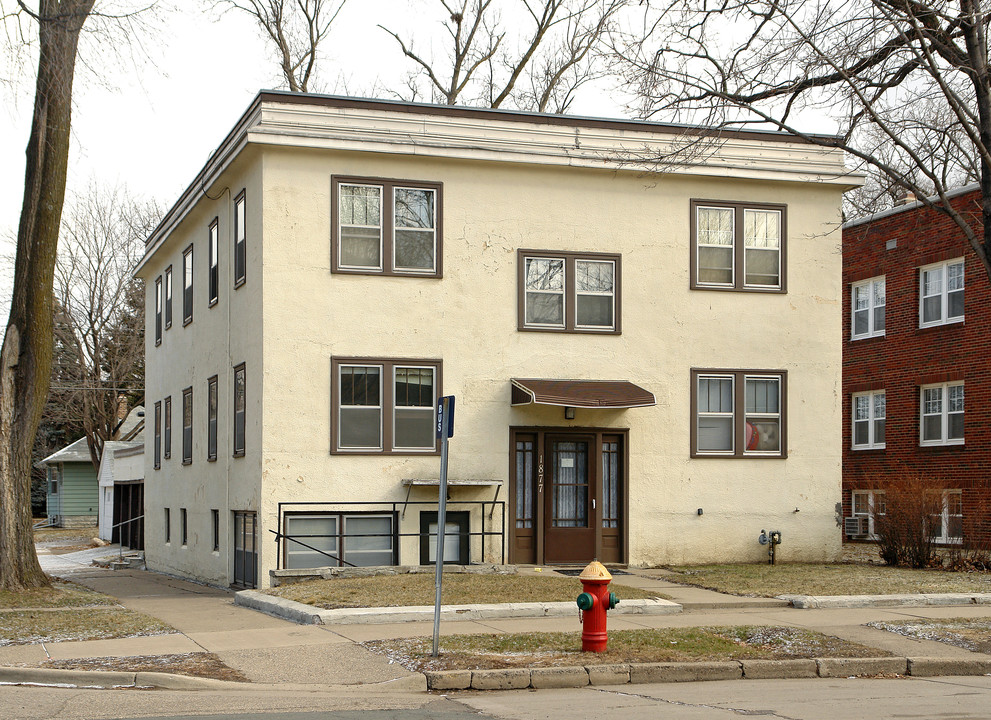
458 589
625 646
827 579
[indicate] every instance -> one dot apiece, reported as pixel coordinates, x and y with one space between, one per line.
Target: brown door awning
581 393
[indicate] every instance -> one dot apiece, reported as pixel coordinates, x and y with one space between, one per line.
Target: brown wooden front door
569 536
568 496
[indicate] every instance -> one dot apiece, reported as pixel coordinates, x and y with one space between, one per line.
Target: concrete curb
308 615
808 602
109 679
644 673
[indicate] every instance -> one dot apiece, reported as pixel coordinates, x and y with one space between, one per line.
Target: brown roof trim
581 393
339 101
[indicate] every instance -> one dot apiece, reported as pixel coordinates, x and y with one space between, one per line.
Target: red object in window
753 437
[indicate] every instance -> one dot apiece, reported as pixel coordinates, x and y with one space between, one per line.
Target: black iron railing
490 527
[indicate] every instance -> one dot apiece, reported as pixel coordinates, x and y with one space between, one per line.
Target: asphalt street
944 698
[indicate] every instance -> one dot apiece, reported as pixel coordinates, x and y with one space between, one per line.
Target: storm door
569 536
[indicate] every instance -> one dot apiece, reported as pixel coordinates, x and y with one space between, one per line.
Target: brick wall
907 356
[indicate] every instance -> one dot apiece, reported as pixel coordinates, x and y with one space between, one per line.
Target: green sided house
73 490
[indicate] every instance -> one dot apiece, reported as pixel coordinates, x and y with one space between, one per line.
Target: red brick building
916 380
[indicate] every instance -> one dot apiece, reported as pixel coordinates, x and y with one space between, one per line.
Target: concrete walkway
272 650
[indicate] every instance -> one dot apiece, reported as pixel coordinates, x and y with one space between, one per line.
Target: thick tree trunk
26 355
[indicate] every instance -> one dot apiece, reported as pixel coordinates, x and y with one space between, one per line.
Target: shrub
909 521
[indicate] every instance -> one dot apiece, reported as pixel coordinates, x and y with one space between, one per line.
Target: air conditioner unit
856 526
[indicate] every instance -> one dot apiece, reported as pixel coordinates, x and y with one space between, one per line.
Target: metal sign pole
445 429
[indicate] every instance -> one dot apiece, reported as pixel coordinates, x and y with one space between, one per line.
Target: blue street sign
450 415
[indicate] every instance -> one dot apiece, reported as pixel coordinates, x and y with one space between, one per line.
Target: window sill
157 343
930 326
400 453
240 283
431 274
212 459
238 454
866 448
733 288
187 462
570 331
213 302
729 456
875 336
950 443
187 321
168 326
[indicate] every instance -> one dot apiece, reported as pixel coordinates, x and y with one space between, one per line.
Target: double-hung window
868 420
158 310
168 427
187 426
947 518
214 263
941 414
568 292
187 285
737 246
168 297
387 227
384 406
239 410
240 259
738 413
211 410
867 308
158 435
941 293
868 504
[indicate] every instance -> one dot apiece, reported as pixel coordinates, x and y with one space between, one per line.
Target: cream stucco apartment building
644 356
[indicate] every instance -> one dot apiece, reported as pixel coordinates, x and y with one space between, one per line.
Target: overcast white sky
150 124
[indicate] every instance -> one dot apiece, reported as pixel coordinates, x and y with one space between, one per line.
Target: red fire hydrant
593 604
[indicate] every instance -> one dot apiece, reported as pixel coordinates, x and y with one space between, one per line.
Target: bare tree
100 313
538 67
296 28
26 355
895 75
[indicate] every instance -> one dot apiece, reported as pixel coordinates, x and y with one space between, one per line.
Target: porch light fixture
569 413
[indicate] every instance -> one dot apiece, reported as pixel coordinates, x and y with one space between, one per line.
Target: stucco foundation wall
219 338
468 319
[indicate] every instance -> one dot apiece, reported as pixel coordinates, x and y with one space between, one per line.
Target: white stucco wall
492 208
468 319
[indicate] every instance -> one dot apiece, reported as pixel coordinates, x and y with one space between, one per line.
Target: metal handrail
393 507
279 536
120 545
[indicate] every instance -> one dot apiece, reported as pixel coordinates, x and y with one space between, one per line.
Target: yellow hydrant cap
595 571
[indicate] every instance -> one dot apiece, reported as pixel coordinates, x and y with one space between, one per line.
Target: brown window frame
157 458
239 424
167 442
213 263
158 311
570 295
168 297
739 414
739 271
187 430
212 421
388 229
187 292
240 240
387 402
